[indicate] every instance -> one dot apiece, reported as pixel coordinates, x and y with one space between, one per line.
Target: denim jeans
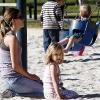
49 36
24 87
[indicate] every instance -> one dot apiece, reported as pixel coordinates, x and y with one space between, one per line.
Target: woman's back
6 69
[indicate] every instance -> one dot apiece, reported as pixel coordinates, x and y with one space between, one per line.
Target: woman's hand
59 98
34 77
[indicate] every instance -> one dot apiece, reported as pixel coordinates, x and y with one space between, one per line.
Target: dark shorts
77 34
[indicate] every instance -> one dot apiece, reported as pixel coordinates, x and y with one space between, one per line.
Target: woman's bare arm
13 44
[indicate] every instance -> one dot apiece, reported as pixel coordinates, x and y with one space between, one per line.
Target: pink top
47 83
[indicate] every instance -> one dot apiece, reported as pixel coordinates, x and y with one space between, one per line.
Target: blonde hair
54 47
85 10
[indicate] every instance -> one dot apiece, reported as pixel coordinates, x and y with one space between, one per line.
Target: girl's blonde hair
53 48
85 10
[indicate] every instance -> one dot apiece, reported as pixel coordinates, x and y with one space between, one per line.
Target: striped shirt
52 15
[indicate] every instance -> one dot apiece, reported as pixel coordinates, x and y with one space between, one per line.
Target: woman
14 78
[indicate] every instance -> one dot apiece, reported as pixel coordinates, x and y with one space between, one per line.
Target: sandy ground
79 73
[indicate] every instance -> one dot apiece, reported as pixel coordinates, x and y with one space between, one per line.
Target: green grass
71 10
34 24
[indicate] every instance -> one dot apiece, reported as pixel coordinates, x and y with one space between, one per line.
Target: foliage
71 9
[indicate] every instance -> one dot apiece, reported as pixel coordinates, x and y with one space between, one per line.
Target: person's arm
62 4
13 44
41 16
54 78
59 16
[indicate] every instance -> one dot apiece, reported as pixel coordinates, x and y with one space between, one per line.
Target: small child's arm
54 78
41 16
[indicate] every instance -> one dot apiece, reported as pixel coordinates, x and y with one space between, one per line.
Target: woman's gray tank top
6 70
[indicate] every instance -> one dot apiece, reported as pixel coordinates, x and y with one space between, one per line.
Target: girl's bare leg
63 41
69 45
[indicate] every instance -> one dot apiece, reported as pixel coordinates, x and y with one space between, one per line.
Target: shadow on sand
89 96
90 58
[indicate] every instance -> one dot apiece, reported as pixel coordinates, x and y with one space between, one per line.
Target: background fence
71 9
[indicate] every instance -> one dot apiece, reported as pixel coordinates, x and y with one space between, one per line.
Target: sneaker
7 94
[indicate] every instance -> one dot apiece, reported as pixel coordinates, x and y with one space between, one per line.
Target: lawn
71 9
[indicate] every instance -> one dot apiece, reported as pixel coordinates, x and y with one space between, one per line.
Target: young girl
85 11
51 81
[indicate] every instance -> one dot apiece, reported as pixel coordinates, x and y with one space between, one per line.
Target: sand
79 73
